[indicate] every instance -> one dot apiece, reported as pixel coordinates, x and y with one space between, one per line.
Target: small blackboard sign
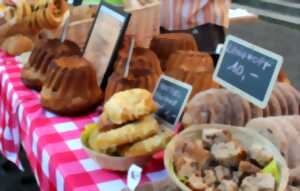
171 96
248 70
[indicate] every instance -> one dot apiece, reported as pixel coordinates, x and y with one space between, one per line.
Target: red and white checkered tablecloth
51 142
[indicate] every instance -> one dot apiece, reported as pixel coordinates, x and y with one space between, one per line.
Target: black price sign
248 70
171 96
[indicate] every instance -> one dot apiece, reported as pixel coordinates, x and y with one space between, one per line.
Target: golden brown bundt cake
193 67
143 73
166 44
71 86
34 72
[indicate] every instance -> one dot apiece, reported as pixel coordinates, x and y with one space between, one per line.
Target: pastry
282 100
272 132
129 105
166 44
16 45
34 73
129 133
43 14
71 86
291 99
149 145
247 111
238 116
144 72
192 67
202 108
274 106
293 140
256 112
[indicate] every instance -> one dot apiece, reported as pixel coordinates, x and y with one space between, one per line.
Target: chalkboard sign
171 96
104 40
248 70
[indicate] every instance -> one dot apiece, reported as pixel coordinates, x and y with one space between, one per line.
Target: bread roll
129 105
16 45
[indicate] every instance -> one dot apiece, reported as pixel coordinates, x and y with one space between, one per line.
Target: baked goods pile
284 133
127 127
216 160
144 72
43 14
223 107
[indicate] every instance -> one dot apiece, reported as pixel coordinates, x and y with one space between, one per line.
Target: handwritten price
239 70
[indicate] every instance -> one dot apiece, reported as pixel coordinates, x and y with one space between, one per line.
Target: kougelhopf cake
144 71
34 72
71 86
166 44
192 67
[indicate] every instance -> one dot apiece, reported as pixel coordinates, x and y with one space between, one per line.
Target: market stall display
144 71
192 67
222 106
34 73
218 157
94 151
71 86
166 44
127 132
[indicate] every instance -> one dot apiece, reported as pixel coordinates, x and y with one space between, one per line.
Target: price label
248 70
171 96
134 176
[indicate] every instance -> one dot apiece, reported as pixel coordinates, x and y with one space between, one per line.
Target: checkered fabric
52 142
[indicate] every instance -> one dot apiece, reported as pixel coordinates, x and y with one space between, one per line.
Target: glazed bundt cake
71 86
34 72
143 73
193 67
166 44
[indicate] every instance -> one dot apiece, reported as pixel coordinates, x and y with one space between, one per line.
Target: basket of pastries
127 132
220 157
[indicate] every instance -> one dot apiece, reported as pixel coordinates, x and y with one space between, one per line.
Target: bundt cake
34 72
192 67
71 86
143 73
166 44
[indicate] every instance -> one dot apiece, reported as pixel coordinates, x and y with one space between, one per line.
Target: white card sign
248 70
102 46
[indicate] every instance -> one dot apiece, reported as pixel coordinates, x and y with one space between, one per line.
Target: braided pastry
44 14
